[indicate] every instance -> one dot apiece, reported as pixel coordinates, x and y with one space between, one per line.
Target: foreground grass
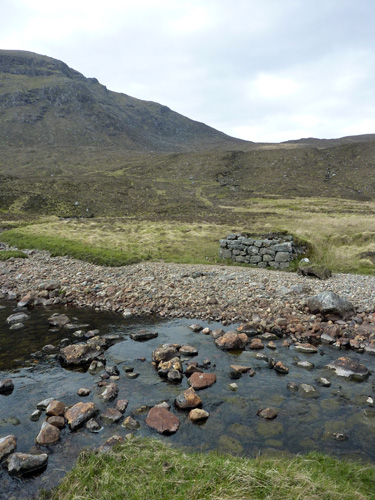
149 469
341 233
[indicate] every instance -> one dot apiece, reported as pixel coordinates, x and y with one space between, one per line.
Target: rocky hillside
44 102
71 147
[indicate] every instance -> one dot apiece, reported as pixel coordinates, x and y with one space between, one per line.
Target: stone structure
274 251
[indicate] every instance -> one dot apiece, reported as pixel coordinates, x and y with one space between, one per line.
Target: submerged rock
143 335
268 413
58 320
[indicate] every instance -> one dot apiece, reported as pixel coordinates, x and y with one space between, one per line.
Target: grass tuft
9 254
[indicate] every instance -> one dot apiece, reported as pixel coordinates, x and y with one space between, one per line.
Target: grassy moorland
341 233
144 469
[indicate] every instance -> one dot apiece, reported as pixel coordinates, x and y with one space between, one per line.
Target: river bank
263 299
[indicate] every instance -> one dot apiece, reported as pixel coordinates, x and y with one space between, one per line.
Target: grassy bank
144 469
341 233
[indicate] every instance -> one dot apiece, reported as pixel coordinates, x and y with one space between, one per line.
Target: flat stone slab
162 420
79 413
202 380
349 369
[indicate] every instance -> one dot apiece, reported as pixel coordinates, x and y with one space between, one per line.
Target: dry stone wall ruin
273 251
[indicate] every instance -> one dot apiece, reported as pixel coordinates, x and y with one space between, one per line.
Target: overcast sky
261 70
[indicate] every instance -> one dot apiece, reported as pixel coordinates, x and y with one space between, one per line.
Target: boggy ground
265 300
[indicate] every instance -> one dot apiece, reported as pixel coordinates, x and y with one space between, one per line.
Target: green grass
8 254
149 469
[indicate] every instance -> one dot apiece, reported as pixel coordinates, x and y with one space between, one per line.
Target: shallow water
302 424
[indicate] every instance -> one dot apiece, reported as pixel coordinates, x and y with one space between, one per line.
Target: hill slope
71 147
44 102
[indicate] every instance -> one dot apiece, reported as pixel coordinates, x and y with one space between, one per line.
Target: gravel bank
222 293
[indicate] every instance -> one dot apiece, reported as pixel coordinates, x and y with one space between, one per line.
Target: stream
303 423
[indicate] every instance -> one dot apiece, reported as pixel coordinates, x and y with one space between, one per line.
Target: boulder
188 350
188 399
79 354
232 341
17 318
313 270
162 420
111 416
110 392
164 353
331 304
198 415
7 445
55 408
202 380
279 367
121 405
23 463
349 369
6 386
143 335
49 434
58 320
57 421
79 413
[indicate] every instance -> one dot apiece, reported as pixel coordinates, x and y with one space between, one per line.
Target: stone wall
273 251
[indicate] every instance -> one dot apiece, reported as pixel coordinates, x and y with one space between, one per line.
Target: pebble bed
210 292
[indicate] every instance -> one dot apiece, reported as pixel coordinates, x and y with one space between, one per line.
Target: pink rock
202 380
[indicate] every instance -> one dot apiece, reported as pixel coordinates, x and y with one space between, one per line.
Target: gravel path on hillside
222 293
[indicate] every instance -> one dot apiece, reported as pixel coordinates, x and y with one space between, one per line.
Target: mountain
71 147
43 102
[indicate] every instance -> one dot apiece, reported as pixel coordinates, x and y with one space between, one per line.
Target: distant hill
71 147
44 102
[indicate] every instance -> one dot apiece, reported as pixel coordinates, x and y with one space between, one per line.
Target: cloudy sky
261 70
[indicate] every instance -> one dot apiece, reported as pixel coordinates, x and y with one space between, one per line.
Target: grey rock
23 463
329 303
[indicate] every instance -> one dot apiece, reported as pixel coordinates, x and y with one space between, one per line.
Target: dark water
302 424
